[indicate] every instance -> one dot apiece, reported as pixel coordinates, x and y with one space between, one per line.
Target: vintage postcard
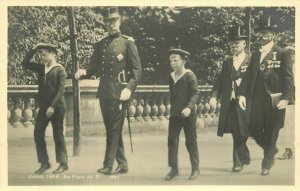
151 95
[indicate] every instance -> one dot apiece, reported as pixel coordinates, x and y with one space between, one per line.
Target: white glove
80 73
125 94
50 112
282 104
242 102
186 112
213 102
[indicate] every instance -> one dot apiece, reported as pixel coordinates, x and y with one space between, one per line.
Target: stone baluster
147 109
200 119
36 111
218 109
139 109
154 108
28 113
200 108
206 109
132 109
10 107
17 112
168 106
212 111
162 107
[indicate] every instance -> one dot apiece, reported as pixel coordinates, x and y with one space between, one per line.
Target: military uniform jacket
278 75
222 90
113 57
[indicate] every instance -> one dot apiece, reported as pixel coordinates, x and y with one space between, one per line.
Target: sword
129 128
122 80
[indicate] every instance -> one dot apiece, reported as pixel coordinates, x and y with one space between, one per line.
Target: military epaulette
103 37
128 38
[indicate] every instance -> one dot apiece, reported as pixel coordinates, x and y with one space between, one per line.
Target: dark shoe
120 171
43 168
237 168
247 160
171 174
61 168
105 170
265 172
194 174
287 154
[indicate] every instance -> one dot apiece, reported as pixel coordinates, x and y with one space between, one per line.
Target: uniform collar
184 72
115 35
48 69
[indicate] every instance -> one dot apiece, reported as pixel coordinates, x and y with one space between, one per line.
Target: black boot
237 168
43 168
194 174
61 168
287 154
172 174
105 170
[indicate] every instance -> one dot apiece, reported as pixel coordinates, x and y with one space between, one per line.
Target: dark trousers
189 127
241 155
113 113
265 124
42 122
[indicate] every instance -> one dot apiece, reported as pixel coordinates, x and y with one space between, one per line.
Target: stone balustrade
149 109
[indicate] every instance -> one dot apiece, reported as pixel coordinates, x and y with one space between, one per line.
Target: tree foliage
203 31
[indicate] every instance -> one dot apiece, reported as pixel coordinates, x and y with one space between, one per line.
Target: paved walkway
148 164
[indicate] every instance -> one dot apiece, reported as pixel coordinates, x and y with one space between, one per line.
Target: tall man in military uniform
117 58
269 84
232 118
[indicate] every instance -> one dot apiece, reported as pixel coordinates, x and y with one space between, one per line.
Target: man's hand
242 103
282 104
125 94
186 112
213 102
80 73
49 112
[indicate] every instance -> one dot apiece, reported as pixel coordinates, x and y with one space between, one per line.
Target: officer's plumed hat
179 51
236 33
110 13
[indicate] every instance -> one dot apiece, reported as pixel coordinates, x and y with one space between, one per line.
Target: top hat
266 23
235 33
179 51
111 13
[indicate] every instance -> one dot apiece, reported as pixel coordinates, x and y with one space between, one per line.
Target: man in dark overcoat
232 118
117 59
269 85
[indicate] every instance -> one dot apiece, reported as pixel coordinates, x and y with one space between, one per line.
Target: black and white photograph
150 95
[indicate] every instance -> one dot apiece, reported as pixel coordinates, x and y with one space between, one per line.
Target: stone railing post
17 112
28 113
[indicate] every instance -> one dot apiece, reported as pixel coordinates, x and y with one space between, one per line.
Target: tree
203 31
